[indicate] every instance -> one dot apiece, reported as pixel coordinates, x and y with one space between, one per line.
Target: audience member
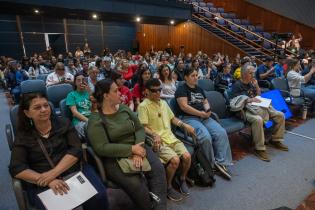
195 111
37 124
138 91
14 78
59 76
256 116
167 84
297 81
79 103
156 117
125 94
115 133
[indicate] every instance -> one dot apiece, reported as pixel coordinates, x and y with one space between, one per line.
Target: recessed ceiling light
94 16
138 19
172 22
36 11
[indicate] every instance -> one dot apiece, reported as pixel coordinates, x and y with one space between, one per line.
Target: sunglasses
155 90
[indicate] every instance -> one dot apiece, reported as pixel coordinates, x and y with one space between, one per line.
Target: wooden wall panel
190 35
271 21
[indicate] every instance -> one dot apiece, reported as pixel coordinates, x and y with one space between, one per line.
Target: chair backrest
221 10
217 103
235 28
245 22
174 106
266 45
206 84
266 35
221 21
237 21
259 29
30 86
65 110
281 84
13 118
42 77
209 4
202 4
56 93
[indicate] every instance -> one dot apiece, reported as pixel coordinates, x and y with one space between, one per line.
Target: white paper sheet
80 191
264 102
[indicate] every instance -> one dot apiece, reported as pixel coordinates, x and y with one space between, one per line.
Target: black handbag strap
43 148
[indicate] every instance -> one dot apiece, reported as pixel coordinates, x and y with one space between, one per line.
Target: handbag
126 164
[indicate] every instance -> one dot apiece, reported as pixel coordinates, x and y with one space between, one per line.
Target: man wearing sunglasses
156 117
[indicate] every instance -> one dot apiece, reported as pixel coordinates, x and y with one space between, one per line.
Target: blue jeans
16 92
213 138
98 201
309 92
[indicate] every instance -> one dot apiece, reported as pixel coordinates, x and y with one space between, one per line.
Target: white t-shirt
168 90
295 79
54 78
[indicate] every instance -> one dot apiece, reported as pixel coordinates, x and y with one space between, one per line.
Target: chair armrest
19 194
215 116
264 84
99 164
9 135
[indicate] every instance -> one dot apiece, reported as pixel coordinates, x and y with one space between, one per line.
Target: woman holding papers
39 130
117 136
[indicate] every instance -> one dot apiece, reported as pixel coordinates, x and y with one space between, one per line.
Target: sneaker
173 195
279 145
262 154
223 171
184 188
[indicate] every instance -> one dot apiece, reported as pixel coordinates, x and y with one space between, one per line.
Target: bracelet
182 123
178 122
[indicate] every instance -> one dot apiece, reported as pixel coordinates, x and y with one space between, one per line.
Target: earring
31 122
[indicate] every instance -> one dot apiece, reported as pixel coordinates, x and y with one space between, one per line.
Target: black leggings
136 187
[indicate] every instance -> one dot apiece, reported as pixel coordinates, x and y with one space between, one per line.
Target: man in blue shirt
266 71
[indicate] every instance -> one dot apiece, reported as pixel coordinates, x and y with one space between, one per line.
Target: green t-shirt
82 101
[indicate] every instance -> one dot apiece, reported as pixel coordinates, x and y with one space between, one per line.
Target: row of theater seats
230 18
217 100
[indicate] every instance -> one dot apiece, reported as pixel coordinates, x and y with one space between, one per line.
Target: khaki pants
257 125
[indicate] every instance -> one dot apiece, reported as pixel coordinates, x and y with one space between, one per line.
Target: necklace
45 135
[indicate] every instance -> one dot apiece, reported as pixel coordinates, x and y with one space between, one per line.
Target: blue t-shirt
82 101
263 69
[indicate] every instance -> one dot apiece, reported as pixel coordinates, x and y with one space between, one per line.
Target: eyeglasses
155 90
60 69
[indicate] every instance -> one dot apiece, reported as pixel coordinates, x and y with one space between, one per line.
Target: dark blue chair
219 109
31 86
56 93
42 77
206 84
221 10
209 4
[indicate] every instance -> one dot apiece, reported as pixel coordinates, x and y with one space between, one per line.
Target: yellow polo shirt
237 73
157 116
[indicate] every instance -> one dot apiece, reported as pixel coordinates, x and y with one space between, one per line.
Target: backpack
201 170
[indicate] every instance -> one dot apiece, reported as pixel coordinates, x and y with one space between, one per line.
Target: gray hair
246 68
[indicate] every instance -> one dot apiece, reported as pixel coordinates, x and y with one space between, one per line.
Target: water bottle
304 112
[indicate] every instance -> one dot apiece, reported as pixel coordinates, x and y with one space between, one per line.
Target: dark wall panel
9 37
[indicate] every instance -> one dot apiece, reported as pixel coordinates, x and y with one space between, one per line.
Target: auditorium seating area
271 145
